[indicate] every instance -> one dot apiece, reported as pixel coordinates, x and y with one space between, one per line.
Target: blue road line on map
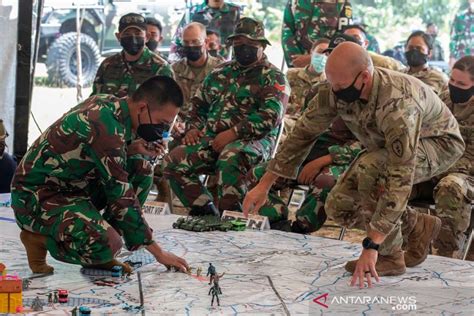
6 219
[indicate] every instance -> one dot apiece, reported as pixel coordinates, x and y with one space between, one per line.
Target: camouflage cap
132 20
251 29
337 39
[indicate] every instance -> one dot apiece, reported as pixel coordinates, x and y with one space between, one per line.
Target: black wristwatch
367 243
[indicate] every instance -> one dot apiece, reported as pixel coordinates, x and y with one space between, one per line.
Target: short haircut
320 41
355 26
154 22
212 32
198 25
466 64
429 24
426 38
158 91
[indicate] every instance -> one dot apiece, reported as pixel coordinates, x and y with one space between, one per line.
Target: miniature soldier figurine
37 305
55 297
198 271
50 298
211 271
216 279
74 311
215 290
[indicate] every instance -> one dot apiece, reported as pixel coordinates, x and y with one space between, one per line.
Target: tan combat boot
35 245
390 265
426 229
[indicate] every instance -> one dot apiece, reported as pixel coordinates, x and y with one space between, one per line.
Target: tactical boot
426 229
208 209
390 265
35 245
126 269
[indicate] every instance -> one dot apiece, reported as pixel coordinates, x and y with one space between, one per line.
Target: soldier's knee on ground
448 195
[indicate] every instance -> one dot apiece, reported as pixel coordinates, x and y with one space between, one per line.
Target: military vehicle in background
207 223
58 35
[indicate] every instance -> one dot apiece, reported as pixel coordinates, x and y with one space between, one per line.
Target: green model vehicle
208 223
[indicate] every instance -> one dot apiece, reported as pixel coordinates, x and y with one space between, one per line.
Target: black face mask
151 132
132 44
213 52
351 93
416 58
152 45
246 54
192 53
459 95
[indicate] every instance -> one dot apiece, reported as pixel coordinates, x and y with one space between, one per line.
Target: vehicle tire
61 60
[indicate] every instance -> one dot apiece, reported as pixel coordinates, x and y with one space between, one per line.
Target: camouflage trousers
76 230
353 200
311 215
184 165
452 194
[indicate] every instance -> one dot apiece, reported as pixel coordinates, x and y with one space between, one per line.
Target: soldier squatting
364 133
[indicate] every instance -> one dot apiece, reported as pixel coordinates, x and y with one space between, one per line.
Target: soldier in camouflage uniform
305 21
191 70
437 53
218 15
81 165
330 156
410 136
233 124
453 191
418 49
122 73
462 34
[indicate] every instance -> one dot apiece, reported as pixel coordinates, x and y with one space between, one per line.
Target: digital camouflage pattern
455 191
305 21
385 62
221 20
338 142
251 100
76 168
121 78
437 80
410 136
462 35
190 78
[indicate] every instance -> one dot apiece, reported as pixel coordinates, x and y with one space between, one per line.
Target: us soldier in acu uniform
305 21
233 125
81 165
453 191
410 136
122 73
217 15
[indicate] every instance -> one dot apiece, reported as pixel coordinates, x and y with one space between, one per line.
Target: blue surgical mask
318 61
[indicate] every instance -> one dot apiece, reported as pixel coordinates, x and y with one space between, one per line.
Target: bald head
194 31
349 63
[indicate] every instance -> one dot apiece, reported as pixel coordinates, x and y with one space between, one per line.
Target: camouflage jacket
189 81
301 81
373 44
221 20
437 53
464 113
437 80
121 78
88 145
385 62
462 35
251 100
305 21
399 114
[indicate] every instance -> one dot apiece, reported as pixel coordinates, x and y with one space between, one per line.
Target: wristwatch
367 243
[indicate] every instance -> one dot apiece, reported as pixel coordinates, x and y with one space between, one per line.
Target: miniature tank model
207 223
